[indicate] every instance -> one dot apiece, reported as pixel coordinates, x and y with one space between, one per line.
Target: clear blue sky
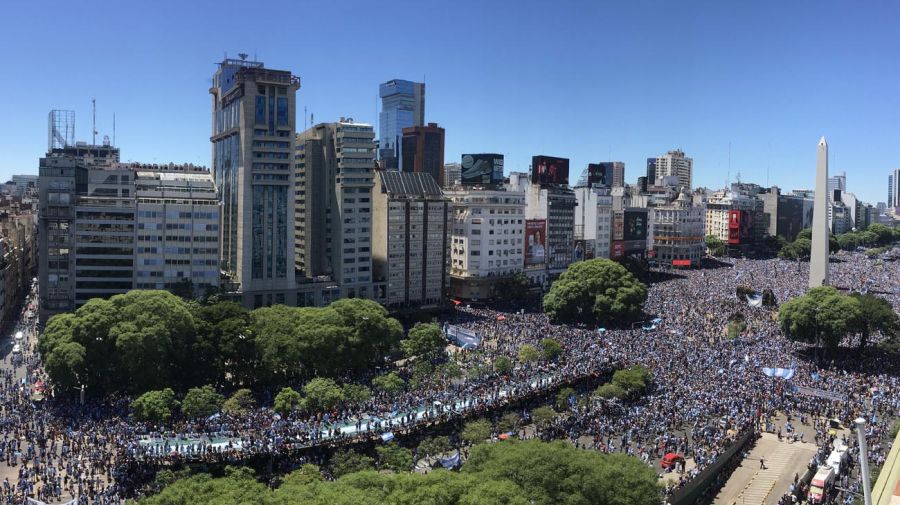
588 80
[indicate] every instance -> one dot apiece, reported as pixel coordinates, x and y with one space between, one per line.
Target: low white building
487 230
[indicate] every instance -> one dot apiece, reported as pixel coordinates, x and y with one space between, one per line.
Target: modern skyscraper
818 262
334 179
423 150
452 175
651 172
893 200
253 129
402 106
838 182
409 238
673 163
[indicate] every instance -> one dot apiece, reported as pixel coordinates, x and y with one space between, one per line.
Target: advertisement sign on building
535 241
740 227
580 251
617 250
635 225
549 170
599 174
481 169
618 228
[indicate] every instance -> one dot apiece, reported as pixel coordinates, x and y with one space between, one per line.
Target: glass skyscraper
402 106
254 124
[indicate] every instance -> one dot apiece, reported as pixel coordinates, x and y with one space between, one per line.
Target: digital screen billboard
481 169
549 170
740 227
535 241
618 232
599 174
635 225
617 250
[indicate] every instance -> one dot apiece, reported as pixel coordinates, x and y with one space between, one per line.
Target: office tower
423 150
409 238
606 174
838 182
818 262
177 238
674 163
618 174
486 240
334 179
25 184
893 200
452 175
402 106
651 172
593 221
252 146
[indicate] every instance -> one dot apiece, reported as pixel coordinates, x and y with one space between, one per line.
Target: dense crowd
706 390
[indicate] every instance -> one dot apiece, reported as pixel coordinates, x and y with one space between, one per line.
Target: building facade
334 165
18 263
893 196
409 239
593 221
718 215
423 150
177 238
487 230
402 106
673 163
677 233
253 129
452 175
785 214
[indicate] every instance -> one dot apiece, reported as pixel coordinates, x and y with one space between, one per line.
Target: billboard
740 227
549 170
635 225
618 229
481 169
535 241
600 174
617 250
580 251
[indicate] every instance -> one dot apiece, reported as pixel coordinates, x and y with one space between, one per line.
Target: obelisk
818 257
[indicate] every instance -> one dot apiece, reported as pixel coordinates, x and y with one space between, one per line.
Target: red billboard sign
740 227
617 250
535 241
681 263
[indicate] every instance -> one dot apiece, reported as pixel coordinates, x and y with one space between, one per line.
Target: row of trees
507 473
595 291
150 340
873 236
824 316
627 383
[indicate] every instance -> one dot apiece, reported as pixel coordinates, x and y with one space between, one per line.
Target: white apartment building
593 220
487 230
177 237
674 163
677 232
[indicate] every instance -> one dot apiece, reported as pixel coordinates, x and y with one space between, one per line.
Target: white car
17 349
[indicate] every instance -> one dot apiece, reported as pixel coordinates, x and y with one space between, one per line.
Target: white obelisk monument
818 257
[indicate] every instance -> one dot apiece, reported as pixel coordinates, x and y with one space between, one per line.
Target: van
19 337
17 349
821 484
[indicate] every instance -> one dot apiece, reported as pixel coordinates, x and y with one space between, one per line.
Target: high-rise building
651 173
25 184
487 230
593 221
334 180
608 174
423 150
253 129
452 175
893 200
785 214
838 182
402 106
674 163
409 238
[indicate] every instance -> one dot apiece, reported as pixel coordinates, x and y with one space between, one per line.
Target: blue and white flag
754 300
816 377
784 373
387 436
451 462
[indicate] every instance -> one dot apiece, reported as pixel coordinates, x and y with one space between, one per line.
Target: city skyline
730 83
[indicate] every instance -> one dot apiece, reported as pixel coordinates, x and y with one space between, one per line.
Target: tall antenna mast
94 125
305 119
114 128
729 166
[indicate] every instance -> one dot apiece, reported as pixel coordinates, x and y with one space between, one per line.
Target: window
261 111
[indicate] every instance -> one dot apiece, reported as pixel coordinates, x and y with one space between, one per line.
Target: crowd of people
707 389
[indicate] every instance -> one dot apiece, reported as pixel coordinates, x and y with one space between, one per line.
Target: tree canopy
822 316
598 290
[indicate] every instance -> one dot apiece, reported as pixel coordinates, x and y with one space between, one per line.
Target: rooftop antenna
242 56
94 125
305 119
768 164
728 181
114 128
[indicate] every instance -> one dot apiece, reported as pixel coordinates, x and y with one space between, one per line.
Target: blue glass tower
402 106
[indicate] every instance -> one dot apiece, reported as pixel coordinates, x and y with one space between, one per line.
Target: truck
821 484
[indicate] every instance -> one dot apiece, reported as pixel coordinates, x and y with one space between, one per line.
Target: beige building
677 232
409 238
487 232
17 261
334 165
720 203
674 164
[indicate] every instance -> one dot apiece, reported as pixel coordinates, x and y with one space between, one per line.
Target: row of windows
177 215
177 238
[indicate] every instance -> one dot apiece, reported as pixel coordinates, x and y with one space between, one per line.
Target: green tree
514 289
875 315
394 458
611 391
509 422
884 234
389 383
201 402
598 290
503 365
433 446
714 245
356 393
424 340
562 398
67 365
550 349
286 401
225 342
821 317
322 393
848 241
239 403
154 406
542 416
633 380
528 353
476 431
348 461
448 371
